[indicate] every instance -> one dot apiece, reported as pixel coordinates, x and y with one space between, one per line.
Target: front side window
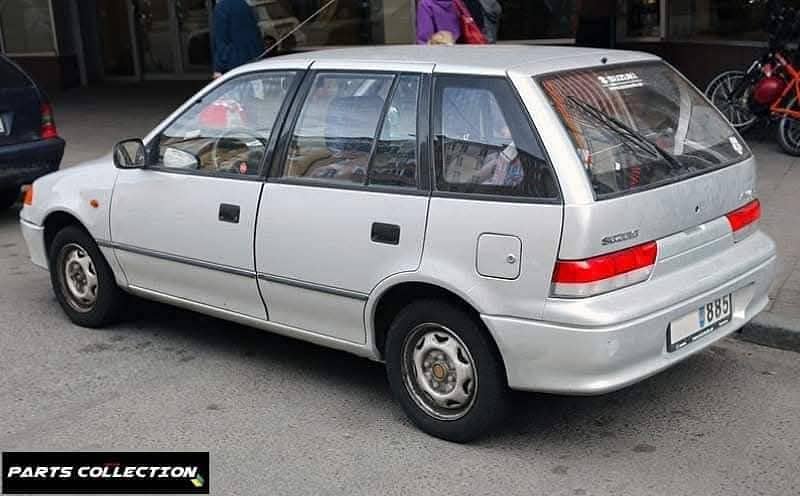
333 139
638 126
485 143
228 130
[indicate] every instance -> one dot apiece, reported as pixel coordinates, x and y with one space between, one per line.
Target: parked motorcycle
769 88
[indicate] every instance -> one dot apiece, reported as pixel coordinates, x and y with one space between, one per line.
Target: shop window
26 27
639 18
538 19
720 19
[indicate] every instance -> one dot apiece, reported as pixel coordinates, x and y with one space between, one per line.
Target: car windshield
639 126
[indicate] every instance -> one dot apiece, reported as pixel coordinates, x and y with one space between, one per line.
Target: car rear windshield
11 77
639 126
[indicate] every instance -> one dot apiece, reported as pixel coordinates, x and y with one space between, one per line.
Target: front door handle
385 233
229 213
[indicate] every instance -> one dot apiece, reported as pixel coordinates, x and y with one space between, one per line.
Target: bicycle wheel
736 111
789 131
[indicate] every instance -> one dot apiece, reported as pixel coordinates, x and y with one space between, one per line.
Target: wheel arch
394 297
57 220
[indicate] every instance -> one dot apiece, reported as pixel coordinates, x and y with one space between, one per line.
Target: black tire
788 133
108 297
738 113
489 401
8 197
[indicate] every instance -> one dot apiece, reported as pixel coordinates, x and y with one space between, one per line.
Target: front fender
83 191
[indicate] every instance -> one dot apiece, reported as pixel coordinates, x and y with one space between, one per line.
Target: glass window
11 76
26 26
395 160
226 132
538 19
640 18
642 125
484 141
336 129
720 19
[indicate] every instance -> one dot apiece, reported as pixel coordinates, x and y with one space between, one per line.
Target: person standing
434 16
492 11
237 37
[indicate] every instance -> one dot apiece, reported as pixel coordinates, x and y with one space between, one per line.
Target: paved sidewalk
91 120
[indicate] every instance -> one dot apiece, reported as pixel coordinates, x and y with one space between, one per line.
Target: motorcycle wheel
789 132
737 112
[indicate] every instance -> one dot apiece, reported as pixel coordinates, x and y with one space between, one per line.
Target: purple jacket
437 15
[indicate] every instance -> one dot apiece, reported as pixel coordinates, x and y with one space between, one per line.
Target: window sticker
622 81
737 147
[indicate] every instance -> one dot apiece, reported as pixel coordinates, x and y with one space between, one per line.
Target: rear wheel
82 280
789 131
8 197
736 110
444 371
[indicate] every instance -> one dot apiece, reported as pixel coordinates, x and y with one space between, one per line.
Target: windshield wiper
626 133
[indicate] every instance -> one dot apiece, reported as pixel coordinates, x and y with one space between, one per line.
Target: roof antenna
277 43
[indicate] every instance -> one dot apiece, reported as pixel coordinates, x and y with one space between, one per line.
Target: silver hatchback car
480 218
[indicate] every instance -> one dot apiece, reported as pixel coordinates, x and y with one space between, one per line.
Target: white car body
296 266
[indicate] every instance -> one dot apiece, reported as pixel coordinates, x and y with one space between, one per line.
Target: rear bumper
24 162
34 239
577 358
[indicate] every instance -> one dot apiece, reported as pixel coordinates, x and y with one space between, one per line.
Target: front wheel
737 110
83 282
445 372
789 131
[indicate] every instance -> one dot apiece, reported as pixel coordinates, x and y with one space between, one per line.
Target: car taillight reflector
48 129
744 217
596 275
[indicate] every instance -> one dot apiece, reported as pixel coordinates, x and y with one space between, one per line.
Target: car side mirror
130 154
175 158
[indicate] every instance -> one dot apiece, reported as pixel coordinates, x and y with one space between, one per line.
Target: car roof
480 59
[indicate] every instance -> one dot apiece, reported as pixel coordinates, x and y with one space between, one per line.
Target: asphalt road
283 417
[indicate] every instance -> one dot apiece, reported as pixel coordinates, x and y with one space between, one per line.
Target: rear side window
11 77
484 141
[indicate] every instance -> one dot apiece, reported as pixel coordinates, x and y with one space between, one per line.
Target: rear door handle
229 213
388 234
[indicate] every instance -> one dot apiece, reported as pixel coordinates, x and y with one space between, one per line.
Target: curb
773 330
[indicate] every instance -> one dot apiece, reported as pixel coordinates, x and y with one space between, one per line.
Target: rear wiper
626 133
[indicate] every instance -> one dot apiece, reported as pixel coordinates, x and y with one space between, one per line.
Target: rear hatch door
662 162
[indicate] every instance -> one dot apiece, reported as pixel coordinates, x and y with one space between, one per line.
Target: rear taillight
48 129
597 275
743 220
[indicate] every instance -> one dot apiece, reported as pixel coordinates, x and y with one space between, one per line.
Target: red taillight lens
48 129
744 217
581 278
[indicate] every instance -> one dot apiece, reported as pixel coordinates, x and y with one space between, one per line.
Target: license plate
705 320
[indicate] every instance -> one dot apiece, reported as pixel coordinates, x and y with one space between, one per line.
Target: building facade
67 43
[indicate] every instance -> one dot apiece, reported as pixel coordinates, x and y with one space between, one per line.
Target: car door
495 217
346 206
184 225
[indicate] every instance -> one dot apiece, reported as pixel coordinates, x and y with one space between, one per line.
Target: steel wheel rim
737 113
78 277
439 372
